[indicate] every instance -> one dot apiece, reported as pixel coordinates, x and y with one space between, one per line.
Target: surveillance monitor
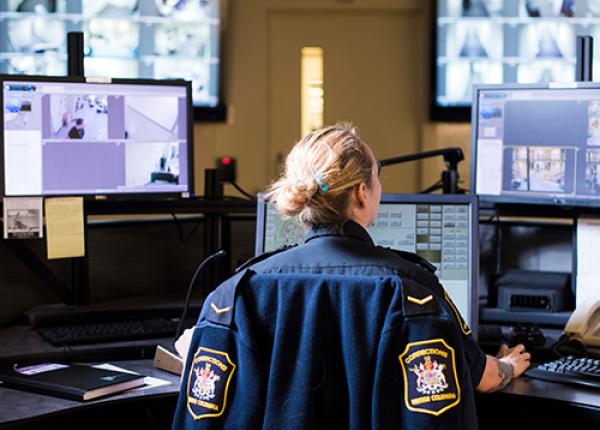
68 136
537 144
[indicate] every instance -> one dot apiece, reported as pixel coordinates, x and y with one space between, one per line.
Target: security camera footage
155 39
81 138
538 143
508 41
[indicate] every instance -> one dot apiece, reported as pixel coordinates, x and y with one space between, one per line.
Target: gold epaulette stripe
420 301
219 310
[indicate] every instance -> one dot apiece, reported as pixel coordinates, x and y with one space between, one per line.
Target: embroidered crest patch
208 383
430 381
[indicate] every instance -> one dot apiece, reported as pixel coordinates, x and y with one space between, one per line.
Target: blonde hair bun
320 172
296 197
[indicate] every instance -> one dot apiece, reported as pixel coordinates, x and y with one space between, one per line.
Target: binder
70 381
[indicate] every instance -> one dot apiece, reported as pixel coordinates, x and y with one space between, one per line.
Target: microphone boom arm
452 156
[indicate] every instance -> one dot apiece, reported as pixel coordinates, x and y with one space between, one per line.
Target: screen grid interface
440 233
539 143
82 138
148 39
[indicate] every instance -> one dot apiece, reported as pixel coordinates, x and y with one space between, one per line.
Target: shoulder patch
464 327
430 381
208 382
219 306
417 300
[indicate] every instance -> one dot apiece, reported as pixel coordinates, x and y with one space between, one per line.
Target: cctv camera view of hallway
64 138
537 143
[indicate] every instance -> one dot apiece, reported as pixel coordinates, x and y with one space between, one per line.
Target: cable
244 193
180 230
432 188
178 227
188 296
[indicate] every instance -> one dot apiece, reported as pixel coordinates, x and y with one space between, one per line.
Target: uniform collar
348 229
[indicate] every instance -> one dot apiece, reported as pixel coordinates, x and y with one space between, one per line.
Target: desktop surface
22 407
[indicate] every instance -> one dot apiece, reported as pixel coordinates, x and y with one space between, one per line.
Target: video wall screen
507 41
152 39
76 138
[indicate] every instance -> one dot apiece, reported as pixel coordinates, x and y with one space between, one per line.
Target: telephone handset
584 324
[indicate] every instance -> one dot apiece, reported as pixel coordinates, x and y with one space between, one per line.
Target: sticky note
64 227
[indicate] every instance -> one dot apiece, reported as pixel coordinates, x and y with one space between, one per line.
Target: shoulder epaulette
262 257
416 259
417 301
219 305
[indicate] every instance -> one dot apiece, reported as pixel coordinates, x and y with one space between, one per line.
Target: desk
131 409
527 402
22 409
523 403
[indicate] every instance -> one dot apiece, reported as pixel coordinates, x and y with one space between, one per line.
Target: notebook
71 381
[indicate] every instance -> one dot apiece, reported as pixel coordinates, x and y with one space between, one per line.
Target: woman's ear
361 194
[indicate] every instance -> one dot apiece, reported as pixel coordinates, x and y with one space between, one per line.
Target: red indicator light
225 161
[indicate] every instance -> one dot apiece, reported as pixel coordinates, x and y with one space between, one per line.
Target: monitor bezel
121 81
470 200
437 111
261 219
490 201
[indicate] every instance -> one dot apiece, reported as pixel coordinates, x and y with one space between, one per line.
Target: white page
489 167
588 260
23 162
149 381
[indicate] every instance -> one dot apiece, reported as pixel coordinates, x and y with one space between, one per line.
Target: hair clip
320 182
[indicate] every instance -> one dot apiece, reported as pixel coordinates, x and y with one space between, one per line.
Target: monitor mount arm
452 156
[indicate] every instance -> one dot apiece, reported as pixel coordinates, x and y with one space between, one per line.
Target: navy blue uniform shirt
333 334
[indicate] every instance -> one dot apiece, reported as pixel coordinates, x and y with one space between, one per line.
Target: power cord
180 230
241 191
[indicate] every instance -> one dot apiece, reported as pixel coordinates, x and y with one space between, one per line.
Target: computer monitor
69 136
131 39
537 144
441 228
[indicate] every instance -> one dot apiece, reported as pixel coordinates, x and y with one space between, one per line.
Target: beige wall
246 92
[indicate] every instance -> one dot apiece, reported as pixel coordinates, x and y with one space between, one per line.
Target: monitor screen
440 228
70 137
123 39
537 144
510 41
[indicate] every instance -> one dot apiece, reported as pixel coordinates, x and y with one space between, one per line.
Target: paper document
64 227
23 218
149 381
588 260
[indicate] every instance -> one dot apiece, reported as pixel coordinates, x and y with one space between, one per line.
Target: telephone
584 324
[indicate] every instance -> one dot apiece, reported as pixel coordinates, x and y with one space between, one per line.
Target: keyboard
569 370
98 332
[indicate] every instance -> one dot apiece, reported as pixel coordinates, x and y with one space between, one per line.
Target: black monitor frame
544 206
452 199
436 111
120 81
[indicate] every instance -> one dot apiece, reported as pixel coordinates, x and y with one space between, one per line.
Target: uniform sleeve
219 383
422 379
222 381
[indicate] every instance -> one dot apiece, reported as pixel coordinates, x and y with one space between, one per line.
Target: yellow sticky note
64 227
